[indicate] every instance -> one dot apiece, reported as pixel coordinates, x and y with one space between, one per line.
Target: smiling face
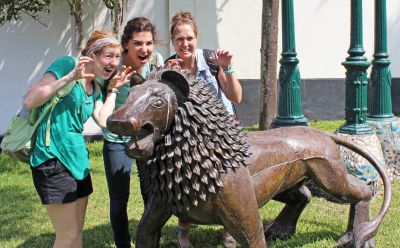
184 41
139 49
106 61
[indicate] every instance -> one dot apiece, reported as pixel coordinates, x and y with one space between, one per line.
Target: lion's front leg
237 208
154 218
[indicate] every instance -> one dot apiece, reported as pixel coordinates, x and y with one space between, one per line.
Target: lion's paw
273 230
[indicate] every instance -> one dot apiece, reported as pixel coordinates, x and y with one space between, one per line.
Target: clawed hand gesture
222 58
79 71
174 63
122 77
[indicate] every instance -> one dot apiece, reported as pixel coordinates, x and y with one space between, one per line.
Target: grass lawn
24 223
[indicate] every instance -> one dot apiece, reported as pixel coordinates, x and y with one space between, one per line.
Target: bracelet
229 70
113 90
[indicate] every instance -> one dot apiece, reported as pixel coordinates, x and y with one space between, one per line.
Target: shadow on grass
43 240
101 237
213 238
202 236
22 218
96 237
303 239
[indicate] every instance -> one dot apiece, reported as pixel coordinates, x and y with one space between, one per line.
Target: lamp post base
290 121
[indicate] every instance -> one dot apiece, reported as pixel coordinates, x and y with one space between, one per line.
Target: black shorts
55 184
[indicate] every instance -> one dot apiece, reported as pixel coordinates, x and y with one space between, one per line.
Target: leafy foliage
14 10
117 10
11 10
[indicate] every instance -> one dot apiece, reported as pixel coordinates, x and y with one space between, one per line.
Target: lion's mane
203 141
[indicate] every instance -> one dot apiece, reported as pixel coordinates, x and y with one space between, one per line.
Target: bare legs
68 220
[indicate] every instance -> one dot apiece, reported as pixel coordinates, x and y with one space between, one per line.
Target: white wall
28 47
322 38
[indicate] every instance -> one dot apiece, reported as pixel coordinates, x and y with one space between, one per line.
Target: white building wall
322 38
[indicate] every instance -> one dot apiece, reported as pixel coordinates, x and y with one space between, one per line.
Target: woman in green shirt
60 168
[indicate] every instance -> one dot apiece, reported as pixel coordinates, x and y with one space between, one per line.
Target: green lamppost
379 90
380 115
289 106
356 77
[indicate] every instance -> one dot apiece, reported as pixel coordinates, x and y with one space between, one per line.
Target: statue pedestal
388 133
359 167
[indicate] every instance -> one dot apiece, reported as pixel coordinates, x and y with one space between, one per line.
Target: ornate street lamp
289 106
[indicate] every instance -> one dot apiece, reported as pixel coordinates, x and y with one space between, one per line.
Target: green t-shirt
123 94
67 119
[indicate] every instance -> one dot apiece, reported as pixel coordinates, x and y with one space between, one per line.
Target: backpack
20 137
214 69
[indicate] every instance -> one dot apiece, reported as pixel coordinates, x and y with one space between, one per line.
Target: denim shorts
55 184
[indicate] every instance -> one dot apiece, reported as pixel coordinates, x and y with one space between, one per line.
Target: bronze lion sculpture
199 166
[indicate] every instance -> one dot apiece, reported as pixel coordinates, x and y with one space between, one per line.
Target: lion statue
199 166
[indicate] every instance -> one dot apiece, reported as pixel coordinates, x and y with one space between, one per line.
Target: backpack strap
170 57
64 91
214 68
97 89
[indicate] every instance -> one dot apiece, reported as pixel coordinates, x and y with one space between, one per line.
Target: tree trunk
269 46
119 16
75 7
117 8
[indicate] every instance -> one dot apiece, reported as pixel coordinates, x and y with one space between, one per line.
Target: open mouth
143 58
109 70
141 144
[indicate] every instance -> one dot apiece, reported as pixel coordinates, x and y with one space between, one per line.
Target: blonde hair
182 18
98 40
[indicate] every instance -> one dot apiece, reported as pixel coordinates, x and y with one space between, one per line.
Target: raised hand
174 63
79 71
122 77
223 58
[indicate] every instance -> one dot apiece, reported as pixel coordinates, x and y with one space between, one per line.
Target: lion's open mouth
142 144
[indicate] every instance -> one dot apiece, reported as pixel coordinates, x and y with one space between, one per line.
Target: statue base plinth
388 133
356 165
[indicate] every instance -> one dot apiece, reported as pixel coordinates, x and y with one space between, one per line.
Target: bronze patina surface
199 166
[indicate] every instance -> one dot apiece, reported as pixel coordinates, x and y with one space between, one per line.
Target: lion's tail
368 229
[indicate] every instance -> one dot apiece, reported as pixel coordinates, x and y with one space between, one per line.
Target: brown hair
182 18
96 35
137 25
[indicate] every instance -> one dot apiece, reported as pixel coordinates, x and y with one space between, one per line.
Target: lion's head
185 134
